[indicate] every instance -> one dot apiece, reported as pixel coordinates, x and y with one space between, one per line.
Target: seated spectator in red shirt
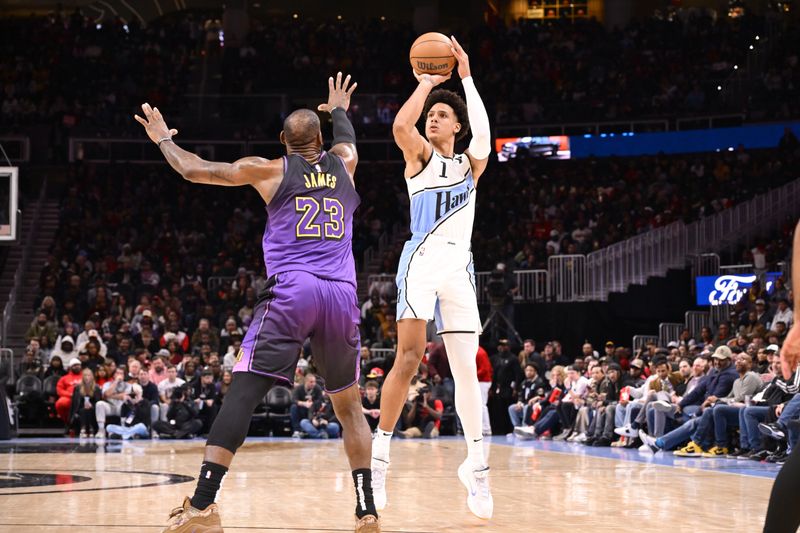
423 416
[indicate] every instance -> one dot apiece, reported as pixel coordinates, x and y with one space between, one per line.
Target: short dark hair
371 383
455 101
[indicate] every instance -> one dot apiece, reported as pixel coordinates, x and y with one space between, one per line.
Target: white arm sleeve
480 146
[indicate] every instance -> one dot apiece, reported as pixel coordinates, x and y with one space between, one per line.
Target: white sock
380 445
475 453
462 350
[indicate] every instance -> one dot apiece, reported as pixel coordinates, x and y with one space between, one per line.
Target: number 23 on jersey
310 227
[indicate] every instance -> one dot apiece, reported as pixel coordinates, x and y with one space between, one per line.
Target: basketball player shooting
435 277
310 197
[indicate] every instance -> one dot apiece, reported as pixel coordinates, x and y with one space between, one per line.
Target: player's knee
407 362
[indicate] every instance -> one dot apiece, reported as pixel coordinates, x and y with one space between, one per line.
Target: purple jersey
310 220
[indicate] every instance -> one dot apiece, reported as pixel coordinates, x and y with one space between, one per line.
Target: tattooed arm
245 171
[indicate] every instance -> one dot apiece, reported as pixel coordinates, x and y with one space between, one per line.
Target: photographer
423 416
500 290
321 423
205 395
182 418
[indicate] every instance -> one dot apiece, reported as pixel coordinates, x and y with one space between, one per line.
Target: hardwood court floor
304 486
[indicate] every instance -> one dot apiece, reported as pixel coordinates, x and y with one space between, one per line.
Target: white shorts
436 280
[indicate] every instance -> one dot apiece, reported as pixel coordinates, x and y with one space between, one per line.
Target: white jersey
435 277
443 198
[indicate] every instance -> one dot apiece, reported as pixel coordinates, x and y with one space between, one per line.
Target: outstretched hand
338 93
154 124
461 57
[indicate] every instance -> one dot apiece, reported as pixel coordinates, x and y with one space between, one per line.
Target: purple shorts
297 305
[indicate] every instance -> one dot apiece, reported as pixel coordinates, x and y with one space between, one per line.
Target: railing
696 321
632 261
17 147
567 277
668 332
22 267
383 283
640 341
382 352
736 269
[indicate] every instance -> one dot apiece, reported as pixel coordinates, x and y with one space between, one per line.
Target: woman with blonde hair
84 398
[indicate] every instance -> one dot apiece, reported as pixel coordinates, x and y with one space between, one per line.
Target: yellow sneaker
187 519
368 524
690 450
716 452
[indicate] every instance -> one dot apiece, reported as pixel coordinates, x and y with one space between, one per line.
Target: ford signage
729 288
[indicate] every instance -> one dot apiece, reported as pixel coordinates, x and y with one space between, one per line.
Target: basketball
430 54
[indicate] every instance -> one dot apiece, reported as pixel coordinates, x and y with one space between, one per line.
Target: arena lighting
719 87
758 38
736 67
751 47
99 27
295 15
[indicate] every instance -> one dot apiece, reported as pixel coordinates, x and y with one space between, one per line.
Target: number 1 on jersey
444 170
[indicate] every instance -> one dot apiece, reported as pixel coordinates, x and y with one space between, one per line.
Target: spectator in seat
423 416
321 422
31 363
544 413
64 348
41 327
93 335
182 418
304 397
784 313
150 397
605 406
371 404
529 392
56 368
65 388
84 399
158 370
717 384
577 388
115 394
174 333
204 327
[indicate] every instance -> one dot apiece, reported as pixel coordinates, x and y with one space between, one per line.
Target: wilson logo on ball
430 66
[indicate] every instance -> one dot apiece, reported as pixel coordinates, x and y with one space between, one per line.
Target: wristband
162 140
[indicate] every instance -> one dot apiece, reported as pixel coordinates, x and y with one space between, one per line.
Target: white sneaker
379 470
662 406
297 435
626 431
581 437
645 448
649 441
100 434
564 435
83 434
524 432
479 494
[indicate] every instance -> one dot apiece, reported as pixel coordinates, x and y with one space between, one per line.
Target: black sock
362 479
208 484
